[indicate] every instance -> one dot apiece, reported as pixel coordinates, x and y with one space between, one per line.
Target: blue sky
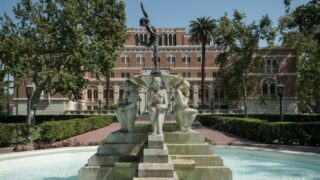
178 13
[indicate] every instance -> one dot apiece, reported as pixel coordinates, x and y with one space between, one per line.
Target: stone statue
127 109
184 115
157 105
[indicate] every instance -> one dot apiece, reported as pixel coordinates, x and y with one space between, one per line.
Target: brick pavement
218 138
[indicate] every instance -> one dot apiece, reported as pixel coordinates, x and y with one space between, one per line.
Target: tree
201 33
239 43
55 42
300 29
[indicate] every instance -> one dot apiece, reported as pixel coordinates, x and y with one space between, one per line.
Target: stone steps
155 170
183 138
109 160
125 138
190 149
155 155
119 149
201 160
175 177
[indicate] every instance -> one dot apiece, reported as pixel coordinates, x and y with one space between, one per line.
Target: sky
179 13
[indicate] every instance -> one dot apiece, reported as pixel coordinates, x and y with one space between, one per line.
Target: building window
186 58
269 88
206 94
110 93
160 41
136 39
95 94
166 39
174 39
125 59
184 74
140 59
125 75
171 59
89 94
265 89
274 66
170 40
112 75
272 89
199 74
199 58
191 94
89 108
219 93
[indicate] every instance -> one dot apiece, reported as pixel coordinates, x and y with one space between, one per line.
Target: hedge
52 131
14 133
40 118
293 133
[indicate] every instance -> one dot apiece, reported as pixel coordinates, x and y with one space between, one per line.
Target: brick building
178 56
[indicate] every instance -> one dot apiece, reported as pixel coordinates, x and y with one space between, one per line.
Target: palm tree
201 31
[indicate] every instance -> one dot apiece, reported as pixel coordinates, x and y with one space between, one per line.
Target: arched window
95 94
268 87
265 89
110 93
272 89
89 94
121 93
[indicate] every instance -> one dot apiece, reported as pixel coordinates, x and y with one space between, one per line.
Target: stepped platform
139 156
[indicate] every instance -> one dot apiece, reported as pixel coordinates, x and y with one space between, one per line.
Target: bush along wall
292 133
14 133
40 118
52 131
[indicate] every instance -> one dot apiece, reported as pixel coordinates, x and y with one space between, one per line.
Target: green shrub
298 133
14 133
39 118
52 131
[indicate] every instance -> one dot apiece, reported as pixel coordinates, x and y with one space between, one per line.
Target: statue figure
184 115
153 37
157 105
127 109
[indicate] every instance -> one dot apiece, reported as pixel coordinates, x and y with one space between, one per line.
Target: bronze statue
153 37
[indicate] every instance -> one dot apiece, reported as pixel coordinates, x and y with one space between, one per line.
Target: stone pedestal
140 156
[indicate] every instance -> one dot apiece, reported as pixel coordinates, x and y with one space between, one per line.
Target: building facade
177 56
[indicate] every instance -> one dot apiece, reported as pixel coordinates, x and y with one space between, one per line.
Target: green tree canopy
300 29
53 43
239 43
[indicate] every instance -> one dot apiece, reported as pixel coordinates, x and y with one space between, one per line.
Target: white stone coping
291 152
16 155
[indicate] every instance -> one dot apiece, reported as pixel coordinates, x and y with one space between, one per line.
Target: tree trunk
108 92
245 93
203 72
